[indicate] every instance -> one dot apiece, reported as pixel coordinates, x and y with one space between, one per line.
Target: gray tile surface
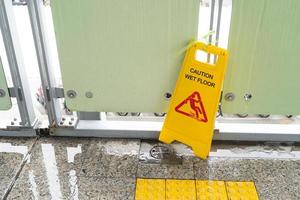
71 186
111 158
34 186
12 153
179 171
91 168
4 183
79 168
52 169
63 154
273 189
274 178
106 188
9 163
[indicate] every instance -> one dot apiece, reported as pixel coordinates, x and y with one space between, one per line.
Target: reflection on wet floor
91 168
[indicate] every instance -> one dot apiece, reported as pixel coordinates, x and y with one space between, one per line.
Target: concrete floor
90 168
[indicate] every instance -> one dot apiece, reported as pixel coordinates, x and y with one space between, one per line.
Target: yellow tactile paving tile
172 189
150 189
241 191
211 190
180 189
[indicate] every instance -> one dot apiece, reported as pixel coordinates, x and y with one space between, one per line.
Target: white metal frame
44 62
20 90
227 128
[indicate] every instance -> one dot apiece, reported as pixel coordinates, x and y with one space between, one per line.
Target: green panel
264 48
127 53
5 102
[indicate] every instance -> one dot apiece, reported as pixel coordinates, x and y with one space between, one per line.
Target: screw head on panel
89 94
229 96
168 95
2 93
71 94
248 97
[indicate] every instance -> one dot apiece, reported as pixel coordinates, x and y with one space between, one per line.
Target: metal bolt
168 95
15 119
12 123
89 94
242 115
2 93
70 123
248 97
159 114
71 94
61 123
63 119
159 151
135 113
122 113
229 96
263 116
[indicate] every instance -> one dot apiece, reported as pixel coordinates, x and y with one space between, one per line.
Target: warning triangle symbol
192 107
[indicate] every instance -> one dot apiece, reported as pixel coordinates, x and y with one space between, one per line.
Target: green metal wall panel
5 102
126 53
264 46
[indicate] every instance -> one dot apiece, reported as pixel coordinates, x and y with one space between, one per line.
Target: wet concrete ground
91 168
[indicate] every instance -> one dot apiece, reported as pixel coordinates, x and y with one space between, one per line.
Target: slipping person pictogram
193 107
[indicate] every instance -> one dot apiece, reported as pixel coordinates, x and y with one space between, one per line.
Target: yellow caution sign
194 104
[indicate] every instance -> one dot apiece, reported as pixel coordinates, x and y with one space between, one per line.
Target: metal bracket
17 124
57 93
12 92
159 154
19 2
67 122
46 2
